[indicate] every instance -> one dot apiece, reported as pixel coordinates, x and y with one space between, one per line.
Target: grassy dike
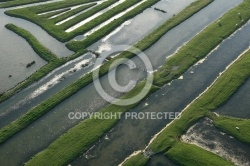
53 13
38 111
13 3
229 124
221 90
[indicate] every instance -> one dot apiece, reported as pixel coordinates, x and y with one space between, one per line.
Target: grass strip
138 160
48 25
72 12
86 15
88 131
42 51
100 19
13 3
16 126
53 13
190 155
229 124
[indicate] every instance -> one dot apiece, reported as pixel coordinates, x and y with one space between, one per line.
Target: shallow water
205 135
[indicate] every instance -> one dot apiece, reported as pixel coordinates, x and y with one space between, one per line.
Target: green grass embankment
229 124
50 103
190 155
100 19
53 13
72 12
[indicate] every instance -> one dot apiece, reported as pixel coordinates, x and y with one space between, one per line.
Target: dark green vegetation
229 124
12 3
72 12
53 13
53 101
190 155
82 136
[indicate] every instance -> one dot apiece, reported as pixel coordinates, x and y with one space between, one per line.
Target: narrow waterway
205 135
41 133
